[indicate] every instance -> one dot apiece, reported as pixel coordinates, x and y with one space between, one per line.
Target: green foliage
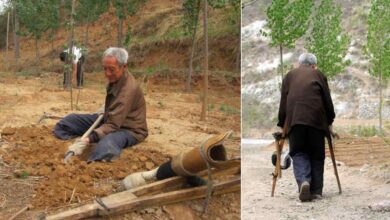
326 39
210 107
128 36
378 38
256 115
124 8
88 11
24 174
191 15
365 131
37 16
229 110
192 9
288 21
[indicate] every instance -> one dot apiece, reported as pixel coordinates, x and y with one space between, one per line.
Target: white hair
307 59
120 55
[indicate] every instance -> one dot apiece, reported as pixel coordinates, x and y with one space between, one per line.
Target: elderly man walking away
306 109
124 122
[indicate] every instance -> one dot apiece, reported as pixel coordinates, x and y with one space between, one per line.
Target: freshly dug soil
36 152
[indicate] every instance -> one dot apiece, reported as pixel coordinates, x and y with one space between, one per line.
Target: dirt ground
31 169
364 183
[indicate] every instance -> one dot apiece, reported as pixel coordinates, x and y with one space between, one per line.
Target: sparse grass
175 33
210 107
28 73
365 131
229 110
256 115
387 140
160 104
24 175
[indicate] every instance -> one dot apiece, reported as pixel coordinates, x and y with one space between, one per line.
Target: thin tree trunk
6 44
380 101
36 51
120 24
53 53
238 58
193 46
62 12
71 50
206 64
16 36
281 61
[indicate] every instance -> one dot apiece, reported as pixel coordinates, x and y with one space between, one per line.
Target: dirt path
359 191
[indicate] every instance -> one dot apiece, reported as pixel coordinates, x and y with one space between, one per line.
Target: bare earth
362 186
30 157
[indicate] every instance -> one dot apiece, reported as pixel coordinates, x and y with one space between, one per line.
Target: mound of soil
36 152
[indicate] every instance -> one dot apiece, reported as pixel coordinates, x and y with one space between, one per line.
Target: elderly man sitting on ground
124 121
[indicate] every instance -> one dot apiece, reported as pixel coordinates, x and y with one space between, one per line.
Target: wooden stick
169 184
123 203
71 197
334 162
20 212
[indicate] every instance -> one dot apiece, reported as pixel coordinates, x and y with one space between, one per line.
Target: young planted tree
53 23
31 17
287 20
6 44
206 63
378 46
69 58
16 35
190 23
327 40
123 9
235 19
89 11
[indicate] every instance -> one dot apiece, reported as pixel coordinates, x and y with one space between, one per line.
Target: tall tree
206 63
6 44
89 11
31 16
16 35
190 23
288 20
192 9
52 16
327 40
123 9
69 58
378 46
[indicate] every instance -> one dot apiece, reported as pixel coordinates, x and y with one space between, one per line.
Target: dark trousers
79 73
307 149
109 147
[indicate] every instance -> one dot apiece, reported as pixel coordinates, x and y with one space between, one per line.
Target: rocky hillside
354 92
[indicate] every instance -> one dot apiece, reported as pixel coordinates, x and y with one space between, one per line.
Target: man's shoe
316 196
304 192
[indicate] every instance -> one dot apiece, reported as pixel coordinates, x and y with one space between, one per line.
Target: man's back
306 98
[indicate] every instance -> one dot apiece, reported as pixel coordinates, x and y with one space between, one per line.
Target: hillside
158 41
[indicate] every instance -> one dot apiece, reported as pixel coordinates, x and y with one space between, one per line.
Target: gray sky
2 2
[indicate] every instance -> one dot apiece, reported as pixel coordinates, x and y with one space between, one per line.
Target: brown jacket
306 99
125 108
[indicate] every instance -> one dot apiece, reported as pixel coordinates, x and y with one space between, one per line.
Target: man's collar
113 88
